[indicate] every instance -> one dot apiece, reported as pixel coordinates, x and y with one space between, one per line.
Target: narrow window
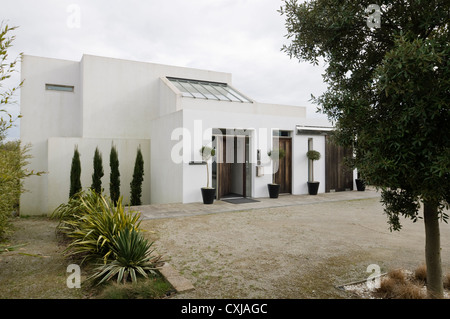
310 148
310 144
57 87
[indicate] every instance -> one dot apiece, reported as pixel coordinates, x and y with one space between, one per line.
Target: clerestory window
57 87
208 90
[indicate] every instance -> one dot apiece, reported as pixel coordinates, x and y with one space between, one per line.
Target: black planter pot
360 185
313 188
208 195
274 190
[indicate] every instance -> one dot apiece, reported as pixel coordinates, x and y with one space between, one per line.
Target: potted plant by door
360 184
274 188
208 193
313 186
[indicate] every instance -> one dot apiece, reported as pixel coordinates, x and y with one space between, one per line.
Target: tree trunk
433 250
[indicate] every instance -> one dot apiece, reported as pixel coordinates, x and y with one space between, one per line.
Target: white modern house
169 112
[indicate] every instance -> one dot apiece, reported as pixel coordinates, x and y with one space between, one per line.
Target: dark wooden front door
229 168
338 177
284 174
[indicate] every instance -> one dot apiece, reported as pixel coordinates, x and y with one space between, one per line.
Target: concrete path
157 211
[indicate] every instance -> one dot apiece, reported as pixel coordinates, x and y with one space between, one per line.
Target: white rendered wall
167 174
131 101
46 113
112 99
121 97
261 120
60 150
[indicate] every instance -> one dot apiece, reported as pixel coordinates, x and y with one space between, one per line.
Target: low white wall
60 153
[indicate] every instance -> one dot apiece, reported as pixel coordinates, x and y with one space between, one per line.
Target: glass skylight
208 90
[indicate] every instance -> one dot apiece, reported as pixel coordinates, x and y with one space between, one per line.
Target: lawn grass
151 288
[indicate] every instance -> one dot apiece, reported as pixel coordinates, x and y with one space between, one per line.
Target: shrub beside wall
138 178
103 232
11 171
98 172
75 173
114 177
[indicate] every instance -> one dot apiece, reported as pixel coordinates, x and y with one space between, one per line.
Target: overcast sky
242 37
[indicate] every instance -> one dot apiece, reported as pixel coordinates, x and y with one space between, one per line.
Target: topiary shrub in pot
274 188
208 193
313 186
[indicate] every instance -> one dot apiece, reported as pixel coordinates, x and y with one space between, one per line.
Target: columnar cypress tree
98 172
75 173
138 177
114 177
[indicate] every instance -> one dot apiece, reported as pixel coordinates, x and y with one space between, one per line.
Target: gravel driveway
300 251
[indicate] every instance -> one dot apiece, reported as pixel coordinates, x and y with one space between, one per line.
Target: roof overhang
313 130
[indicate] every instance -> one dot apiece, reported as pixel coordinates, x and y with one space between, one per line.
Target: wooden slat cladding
284 174
338 177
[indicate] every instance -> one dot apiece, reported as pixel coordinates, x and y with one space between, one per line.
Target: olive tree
387 72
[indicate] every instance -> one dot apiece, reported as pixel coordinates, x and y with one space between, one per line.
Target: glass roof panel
207 90
227 92
204 90
182 89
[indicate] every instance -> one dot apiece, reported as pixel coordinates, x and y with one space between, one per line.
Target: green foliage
388 93
99 231
133 256
91 222
98 172
71 214
414 154
114 177
75 173
138 178
155 288
313 155
387 90
7 68
13 159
